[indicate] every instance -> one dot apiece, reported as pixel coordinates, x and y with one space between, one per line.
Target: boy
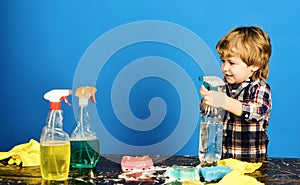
245 53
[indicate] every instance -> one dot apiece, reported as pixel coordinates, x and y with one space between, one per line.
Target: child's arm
220 99
232 105
254 108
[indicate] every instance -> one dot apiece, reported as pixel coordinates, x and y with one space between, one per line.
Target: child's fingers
203 91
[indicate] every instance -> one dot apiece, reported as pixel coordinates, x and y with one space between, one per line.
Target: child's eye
222 60
230 62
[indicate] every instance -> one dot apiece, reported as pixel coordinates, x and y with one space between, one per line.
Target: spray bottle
54 142
85 146
211 126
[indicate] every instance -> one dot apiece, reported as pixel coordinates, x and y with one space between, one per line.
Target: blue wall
44 42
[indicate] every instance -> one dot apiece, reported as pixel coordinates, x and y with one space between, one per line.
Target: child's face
235 70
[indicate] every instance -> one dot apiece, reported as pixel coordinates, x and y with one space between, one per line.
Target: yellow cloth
237 175
28 154
237 178
244 167
192 182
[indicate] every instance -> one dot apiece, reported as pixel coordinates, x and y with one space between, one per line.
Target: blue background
42 43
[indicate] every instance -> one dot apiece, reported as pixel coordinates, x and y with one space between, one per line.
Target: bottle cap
85 93
55 96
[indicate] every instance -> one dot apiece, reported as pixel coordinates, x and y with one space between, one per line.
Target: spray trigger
209 87
65 98
92 98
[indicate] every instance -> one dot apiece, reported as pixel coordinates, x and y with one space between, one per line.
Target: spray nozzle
85 93
212 82
56 95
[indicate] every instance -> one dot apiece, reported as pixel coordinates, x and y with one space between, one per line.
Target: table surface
273 171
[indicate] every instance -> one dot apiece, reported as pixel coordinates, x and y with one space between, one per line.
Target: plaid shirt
245 137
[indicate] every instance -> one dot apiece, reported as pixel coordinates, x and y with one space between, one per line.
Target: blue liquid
85 153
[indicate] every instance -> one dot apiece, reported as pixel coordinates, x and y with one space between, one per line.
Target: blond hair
251 44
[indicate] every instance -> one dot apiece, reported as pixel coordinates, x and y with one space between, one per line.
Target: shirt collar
235 89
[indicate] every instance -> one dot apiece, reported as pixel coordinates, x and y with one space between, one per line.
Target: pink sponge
130 163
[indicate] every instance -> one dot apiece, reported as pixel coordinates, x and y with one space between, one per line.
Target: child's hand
203 91
213 98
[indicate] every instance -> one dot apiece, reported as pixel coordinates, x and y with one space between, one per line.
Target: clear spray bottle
211 126
85 146
54 142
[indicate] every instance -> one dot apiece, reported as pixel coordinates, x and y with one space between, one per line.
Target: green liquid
85 153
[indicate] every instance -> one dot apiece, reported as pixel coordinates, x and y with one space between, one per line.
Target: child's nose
224 66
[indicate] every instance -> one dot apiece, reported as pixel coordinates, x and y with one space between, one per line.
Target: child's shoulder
260 84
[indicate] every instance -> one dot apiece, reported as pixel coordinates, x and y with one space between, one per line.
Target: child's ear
253 68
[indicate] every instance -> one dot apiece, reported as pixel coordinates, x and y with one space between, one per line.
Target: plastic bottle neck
55 106
83 129
55 118
83 102
83 116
